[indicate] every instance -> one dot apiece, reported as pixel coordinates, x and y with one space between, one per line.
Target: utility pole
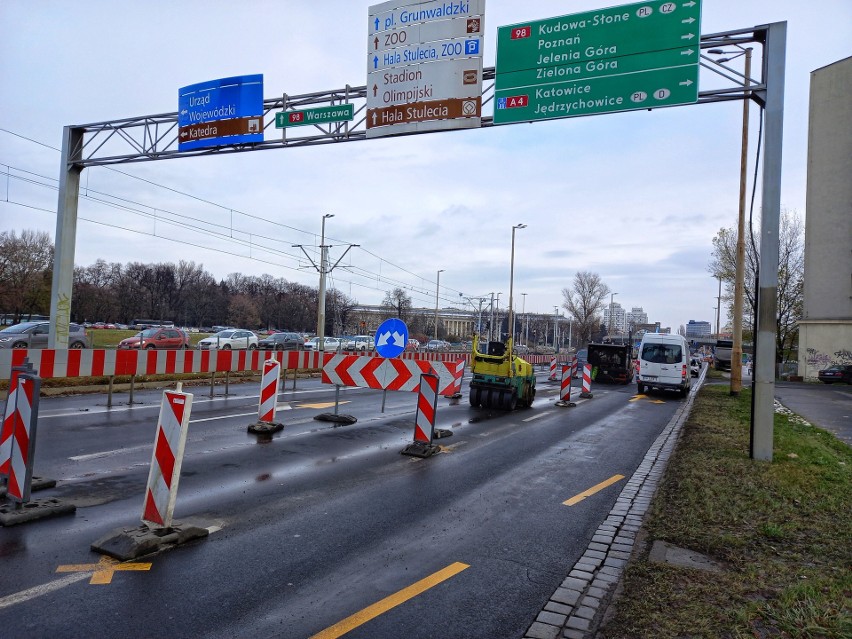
739 282
437 288
718 309
323 270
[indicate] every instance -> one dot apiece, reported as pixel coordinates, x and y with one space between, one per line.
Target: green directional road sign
605 94
618 31
320 115
636 56
581 71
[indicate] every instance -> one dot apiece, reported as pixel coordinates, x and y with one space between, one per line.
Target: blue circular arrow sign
391 337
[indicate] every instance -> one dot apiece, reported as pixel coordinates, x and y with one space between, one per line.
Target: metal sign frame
155 137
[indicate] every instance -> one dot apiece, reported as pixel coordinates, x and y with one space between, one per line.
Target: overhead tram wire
252 246
124 204
377 276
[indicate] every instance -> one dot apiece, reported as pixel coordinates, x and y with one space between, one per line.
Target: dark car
35 334
282 342
157 338
836 373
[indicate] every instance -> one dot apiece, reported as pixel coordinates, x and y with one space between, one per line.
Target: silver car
35 334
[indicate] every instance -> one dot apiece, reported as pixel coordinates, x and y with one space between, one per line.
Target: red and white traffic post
167 459
424 422
17 448
565 389
586 393
268 402
552 377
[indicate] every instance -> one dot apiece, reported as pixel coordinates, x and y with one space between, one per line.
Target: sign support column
66 235
767 306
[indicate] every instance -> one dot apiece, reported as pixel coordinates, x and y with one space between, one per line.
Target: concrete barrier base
129 543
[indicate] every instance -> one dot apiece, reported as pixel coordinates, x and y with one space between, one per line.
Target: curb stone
589 595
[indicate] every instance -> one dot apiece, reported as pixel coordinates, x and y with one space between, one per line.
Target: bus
142 324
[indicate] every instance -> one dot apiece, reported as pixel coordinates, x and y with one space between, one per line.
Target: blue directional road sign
391 337
221 112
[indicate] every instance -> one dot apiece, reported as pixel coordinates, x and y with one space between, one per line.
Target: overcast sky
635 197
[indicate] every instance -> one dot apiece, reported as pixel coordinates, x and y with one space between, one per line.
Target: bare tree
399 302
791 273
584 301
26 263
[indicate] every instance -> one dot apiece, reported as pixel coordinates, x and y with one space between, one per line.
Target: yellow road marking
591 491
103 571
320 405
380 607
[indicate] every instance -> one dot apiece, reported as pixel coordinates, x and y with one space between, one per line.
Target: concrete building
636 316
619 318
698 330
825 331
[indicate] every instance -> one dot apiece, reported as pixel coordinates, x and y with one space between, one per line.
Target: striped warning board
269 391
427 400
167 458
21 450
390 373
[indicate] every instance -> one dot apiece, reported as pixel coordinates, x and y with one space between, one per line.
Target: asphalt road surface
322 531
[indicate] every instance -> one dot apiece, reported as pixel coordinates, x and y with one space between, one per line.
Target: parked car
836 373
282 342
413 345
330 344
157 338
35 334
230 339
361 343
437 345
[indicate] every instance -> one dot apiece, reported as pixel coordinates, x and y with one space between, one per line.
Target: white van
664 363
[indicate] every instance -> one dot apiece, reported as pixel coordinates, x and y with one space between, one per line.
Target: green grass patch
780 529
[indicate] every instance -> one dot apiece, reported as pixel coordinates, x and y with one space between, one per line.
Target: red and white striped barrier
457 371
586 393
166 461
424 422
268 401
574 363
21 449
269 391
105 363
552 377
389 373
565 390
7 428
51 363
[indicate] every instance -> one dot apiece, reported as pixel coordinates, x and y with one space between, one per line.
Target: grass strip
782 531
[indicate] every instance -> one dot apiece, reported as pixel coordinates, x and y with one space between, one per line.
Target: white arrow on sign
685 84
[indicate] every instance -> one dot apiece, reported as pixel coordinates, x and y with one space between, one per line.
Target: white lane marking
109 453
213 419
539 416
44 589
46 414
51 586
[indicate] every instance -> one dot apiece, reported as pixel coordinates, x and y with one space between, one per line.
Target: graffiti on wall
819 360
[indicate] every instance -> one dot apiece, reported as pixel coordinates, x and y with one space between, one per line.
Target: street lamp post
524 315
437 288
511 322
555 329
